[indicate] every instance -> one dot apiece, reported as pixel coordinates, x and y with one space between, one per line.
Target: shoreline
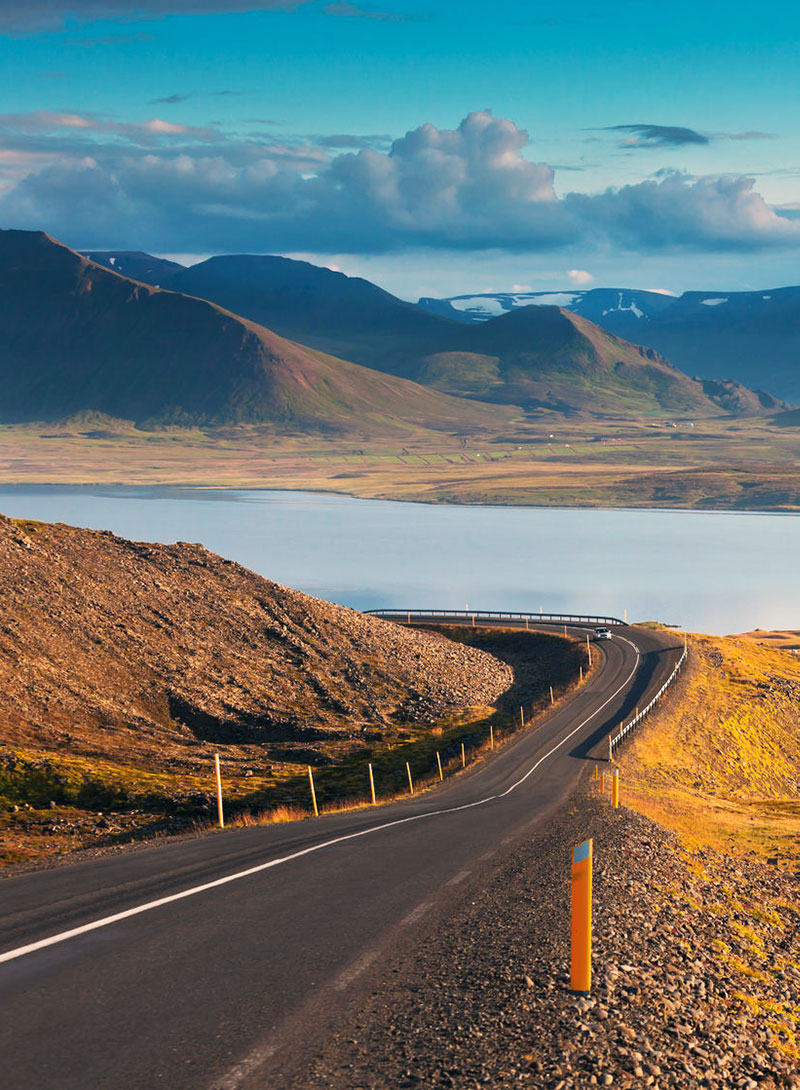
230 489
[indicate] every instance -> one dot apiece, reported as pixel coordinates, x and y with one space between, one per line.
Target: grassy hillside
77 337
720 762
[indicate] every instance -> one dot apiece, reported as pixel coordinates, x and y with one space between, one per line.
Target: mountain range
750 336
75 336
538 358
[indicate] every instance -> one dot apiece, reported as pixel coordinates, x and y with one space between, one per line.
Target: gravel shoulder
696 974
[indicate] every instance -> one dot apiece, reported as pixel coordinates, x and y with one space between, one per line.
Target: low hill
547 357
752 337
146 646
76 337
538 357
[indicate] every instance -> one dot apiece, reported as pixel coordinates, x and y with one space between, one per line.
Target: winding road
223 962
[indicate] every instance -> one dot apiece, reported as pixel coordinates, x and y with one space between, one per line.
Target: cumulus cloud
32 15
579 277
162 186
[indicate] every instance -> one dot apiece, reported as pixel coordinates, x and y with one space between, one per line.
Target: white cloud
579 276
162 186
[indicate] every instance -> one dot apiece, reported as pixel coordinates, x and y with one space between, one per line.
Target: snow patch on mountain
619 307
478 304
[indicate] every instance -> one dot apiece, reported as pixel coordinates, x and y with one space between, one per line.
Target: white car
602 634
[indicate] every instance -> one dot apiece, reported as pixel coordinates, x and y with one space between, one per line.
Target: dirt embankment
124 666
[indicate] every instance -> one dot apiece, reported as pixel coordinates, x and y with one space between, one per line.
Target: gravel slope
696 962
109 646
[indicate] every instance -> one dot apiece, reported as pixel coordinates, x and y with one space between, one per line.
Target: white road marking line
347 976
95 925
416 914
237 1074
459 877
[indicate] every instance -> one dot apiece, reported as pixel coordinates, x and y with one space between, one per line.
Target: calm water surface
711 571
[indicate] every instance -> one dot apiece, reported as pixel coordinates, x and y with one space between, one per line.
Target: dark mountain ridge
75 336
535 357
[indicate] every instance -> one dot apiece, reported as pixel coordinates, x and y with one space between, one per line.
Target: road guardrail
615 739
490 615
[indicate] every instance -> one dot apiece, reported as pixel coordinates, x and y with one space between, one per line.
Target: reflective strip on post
219 791
580 978
313 792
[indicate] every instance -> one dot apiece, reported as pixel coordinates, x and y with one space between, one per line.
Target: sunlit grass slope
720 763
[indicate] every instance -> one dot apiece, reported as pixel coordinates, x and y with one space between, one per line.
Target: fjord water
714 572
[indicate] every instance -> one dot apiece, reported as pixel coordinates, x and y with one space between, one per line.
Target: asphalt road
234 979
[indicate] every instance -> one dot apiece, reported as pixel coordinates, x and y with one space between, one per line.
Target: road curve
222 962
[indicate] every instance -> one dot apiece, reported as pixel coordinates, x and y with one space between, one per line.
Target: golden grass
720 762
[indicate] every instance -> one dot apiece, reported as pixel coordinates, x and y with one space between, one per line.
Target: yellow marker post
565 630
463 756
581 675
410 781
602 783
371 785
615 789
439 762
580 977
596 773
491 736
588 649
313 792
219 791
521 718
552 698
526 624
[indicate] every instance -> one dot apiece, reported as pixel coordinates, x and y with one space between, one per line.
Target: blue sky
626 143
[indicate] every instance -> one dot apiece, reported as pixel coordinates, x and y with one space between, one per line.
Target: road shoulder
696 962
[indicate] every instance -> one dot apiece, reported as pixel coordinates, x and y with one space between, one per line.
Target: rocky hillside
140 652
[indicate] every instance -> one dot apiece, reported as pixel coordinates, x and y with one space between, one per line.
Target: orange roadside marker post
219 791
580 977
602 783
410 781
313 792
371 784
615 789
